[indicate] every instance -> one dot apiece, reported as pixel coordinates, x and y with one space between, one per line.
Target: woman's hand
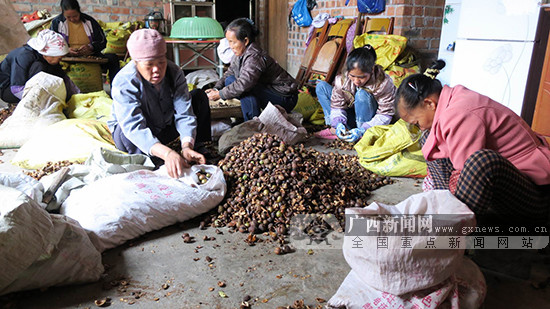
73 52
213 94
85 50
173 161
192 156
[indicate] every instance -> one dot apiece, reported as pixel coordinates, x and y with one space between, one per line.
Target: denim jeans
259 96
363 109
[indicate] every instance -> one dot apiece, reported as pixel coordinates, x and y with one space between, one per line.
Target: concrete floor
136 271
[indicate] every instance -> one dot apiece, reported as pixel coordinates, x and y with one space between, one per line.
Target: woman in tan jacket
362 97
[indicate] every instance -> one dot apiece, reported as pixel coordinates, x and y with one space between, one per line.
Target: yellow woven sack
387 47
93 105
399 73
392 150
111 25
70 139
306 105
116 41
86 76
318 117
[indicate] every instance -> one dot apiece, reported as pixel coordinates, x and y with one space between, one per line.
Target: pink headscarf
146 44
49 43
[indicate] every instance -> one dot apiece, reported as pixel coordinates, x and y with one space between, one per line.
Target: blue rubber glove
354 135
341 131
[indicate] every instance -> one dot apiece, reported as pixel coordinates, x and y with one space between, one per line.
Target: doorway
228 10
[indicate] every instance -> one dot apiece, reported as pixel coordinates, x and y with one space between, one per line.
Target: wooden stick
56 183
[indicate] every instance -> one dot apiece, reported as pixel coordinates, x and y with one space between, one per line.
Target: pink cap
146 44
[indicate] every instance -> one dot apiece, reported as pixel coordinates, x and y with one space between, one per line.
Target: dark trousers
113 66
492 187
259 96
201 109
7 95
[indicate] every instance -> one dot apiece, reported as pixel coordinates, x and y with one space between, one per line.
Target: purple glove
366 126
336 120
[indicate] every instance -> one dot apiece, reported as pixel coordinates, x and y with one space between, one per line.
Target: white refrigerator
449 30
494 43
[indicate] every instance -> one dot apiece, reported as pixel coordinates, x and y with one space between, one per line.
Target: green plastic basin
196 28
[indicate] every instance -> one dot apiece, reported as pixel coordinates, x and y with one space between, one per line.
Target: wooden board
226 112
277 32
220 109
85 59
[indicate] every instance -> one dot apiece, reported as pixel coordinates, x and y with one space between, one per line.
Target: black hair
70 5
243 28
363 58
415 88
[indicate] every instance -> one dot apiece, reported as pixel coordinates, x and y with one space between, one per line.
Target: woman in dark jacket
40 54
253 76
84 35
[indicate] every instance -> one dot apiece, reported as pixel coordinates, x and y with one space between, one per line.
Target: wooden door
277 31
541 117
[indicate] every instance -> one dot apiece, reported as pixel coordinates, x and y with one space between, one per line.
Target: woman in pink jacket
478 148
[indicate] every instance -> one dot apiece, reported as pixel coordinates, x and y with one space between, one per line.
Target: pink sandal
325 134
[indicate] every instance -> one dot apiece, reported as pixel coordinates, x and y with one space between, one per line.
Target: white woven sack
124 206
399 270
42 104
72 259
465 289
26 232
26 184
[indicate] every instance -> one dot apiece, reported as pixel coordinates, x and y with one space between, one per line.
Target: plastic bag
392 150
388 47
306 105
370 6
300 13
273 120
